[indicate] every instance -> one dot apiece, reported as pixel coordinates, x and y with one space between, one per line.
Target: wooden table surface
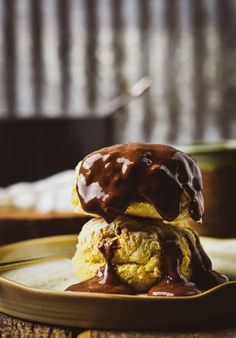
13 327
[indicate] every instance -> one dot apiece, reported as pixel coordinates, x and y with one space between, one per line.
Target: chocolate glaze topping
173 282
112 178
106 280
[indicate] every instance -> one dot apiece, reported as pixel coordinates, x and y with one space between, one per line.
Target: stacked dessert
141 198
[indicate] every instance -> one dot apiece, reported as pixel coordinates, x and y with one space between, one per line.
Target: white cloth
222 253
47 195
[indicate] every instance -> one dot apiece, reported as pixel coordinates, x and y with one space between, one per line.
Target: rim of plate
80 294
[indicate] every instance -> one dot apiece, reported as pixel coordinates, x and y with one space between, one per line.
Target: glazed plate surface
35 292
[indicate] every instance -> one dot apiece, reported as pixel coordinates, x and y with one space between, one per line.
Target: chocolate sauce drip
202 273
112 178
173 282
106 280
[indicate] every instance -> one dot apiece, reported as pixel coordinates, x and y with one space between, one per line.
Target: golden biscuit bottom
137 254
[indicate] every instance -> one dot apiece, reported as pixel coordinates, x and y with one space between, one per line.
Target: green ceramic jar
218 165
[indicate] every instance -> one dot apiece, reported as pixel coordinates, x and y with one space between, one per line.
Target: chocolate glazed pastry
108 182
106 280
173 282
157 173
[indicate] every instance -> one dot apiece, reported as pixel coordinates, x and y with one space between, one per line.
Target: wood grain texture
222 333
12 328
19 226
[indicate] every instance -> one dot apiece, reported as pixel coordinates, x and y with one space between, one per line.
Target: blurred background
69 57
62 62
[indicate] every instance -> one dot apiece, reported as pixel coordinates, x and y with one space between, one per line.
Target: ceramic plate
35 292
